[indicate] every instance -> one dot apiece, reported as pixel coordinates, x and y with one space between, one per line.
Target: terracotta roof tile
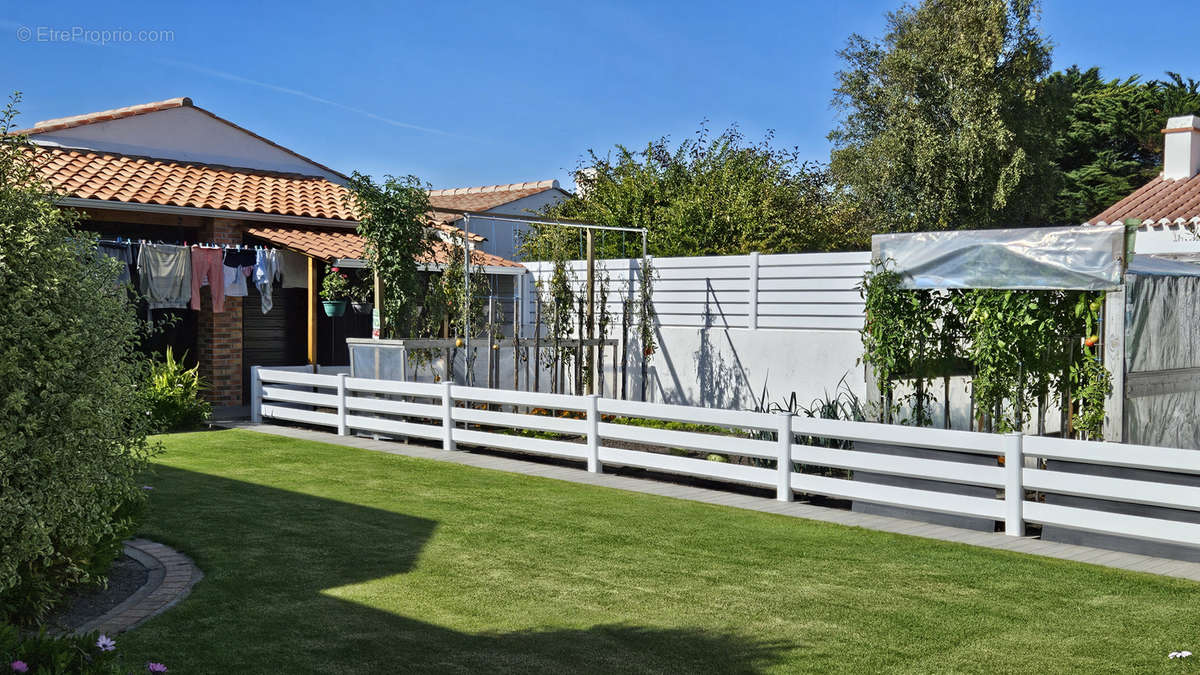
145 180
1160 202
486 197
330 243
60 123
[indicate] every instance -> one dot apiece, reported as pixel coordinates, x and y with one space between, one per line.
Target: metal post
255 395
467 297
447 417
593 433
1014 491
491 340
783 488
341 395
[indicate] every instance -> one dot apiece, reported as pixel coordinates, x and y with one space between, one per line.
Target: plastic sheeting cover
1162 329
1083 258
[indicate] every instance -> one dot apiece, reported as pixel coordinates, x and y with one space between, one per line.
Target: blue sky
473 93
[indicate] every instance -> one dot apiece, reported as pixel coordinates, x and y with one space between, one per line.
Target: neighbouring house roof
332 244
485 197
1159 202
61 123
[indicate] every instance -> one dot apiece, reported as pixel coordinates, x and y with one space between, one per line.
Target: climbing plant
1019 348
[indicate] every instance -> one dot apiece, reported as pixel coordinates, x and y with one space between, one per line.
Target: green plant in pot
335 288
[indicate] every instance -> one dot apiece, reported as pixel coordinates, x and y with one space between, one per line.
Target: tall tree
707 196
949 121
1112 144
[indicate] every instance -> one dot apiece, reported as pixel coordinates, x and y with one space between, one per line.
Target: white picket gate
454 414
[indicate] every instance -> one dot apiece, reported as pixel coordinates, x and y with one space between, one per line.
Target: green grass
326 559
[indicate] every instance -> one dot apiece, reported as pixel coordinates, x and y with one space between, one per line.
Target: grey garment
165 274
121 253
266 272
294 268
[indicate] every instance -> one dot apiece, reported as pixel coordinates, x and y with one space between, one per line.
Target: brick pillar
219 335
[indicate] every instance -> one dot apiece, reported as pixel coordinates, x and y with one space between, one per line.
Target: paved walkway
172 575
1031 545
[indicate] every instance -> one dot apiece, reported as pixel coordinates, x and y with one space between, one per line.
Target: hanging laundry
119 251
294 268
239 264
206 269
165 275
266 272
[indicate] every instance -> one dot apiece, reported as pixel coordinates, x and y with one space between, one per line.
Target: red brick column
219 335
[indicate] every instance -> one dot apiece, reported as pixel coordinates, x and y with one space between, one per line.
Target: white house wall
186 134
503 237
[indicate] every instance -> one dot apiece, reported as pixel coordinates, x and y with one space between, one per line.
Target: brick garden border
172 575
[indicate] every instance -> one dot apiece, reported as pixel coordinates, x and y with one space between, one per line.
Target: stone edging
172 575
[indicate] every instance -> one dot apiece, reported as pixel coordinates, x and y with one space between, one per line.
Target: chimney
1181 147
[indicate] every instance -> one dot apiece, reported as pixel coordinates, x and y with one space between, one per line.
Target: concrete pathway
1031 545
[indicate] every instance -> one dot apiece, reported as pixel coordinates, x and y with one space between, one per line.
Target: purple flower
105 643
156 667
147 487
19 667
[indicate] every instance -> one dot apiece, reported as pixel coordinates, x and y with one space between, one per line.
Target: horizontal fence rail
787 454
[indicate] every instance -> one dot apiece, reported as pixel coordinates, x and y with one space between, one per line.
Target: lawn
320 558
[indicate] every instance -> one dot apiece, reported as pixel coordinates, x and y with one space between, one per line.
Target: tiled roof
60 123
1159 202
145 180
331 243
486 197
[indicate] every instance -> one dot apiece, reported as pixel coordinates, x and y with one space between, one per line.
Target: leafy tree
392 220
1112 144
707 196
73 422
949 122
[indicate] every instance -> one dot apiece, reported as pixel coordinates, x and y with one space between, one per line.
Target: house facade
1167 208
171 172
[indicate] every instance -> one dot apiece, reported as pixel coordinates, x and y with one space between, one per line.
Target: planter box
1114 542
965 522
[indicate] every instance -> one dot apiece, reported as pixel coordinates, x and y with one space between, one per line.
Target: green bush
174 393
72 421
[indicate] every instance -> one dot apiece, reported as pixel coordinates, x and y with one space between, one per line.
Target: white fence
804 291
453 414
730 328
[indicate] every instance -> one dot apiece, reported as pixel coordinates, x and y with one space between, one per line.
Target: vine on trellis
1018 347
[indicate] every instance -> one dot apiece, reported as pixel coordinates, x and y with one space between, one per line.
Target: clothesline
120 241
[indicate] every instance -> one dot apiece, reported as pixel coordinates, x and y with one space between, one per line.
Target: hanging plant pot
334 307
362 307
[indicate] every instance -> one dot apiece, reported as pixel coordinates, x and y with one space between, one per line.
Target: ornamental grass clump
73 421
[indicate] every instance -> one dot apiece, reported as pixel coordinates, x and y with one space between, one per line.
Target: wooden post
517 346
312 313
1113 348
579 353
591 312
537 347
491 340
377 312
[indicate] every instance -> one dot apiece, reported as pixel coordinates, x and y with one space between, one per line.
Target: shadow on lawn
272 557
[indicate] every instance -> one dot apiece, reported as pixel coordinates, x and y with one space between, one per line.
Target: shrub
72 422
174 393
